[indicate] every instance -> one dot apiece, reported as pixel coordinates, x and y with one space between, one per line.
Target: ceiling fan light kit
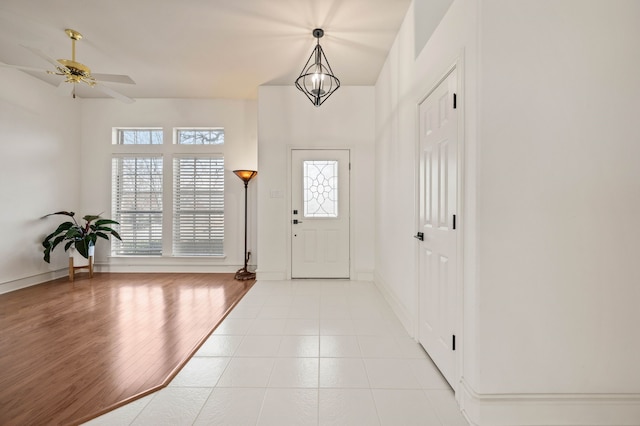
317 80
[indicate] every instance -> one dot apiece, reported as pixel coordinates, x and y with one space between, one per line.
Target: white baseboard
282 276
135 266
398 308
149 269
549 409
270 276
168 264
33 280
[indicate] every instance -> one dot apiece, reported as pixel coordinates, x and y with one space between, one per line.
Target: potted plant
82 238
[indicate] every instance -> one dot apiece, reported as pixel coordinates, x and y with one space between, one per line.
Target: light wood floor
72 351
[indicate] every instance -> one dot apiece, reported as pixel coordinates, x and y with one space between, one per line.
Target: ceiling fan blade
113 93
44 56
113 78
19 67
64 89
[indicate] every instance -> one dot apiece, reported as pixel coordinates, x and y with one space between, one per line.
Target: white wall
287 119
402 84
427 15
39 153
550 96
560 193
238 117
56 151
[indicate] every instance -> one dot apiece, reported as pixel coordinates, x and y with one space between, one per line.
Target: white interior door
438 204
319 213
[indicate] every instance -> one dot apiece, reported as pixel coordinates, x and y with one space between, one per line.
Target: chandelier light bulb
318 82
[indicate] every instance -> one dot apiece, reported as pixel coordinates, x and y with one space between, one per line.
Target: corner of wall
405 317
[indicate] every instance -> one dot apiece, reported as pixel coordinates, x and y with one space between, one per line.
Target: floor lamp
244 274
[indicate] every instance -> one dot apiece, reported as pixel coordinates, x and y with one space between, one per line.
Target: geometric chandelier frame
317 80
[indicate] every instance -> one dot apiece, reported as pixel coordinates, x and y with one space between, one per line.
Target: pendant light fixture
316 80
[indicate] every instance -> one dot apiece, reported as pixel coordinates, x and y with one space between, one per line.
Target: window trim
116 132
177 130
169 150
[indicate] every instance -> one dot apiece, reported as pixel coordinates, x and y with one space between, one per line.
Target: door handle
296 221
419 236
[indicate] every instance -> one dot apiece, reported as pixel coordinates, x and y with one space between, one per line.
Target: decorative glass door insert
320 188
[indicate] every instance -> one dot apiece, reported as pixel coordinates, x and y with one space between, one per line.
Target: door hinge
453 343
454 221
349 166
455 101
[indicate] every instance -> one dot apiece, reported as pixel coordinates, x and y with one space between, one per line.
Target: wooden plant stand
73 269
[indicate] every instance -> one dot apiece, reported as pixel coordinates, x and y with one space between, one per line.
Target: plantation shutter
137 205
198 228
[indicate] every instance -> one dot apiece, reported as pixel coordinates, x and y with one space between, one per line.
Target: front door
319 213
438 205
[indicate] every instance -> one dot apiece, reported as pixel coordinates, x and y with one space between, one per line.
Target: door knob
419 236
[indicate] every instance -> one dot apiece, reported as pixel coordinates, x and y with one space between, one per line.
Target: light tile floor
303 353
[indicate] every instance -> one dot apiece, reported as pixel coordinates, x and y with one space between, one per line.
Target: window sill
166 260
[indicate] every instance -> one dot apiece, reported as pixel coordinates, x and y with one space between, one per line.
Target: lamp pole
246 260
243 274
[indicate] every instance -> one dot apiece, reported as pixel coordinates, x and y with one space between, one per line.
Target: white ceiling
202 48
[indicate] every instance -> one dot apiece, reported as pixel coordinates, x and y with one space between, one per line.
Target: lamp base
244 275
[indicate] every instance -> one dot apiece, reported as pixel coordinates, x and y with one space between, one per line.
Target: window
168 197
198 206
137 205
139 136
320 188
200 136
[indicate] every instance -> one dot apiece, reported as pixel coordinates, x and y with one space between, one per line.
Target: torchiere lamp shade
245 175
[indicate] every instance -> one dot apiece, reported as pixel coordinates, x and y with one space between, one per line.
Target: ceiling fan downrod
73 35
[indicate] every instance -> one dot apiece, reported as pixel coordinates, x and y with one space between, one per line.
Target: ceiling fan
74 72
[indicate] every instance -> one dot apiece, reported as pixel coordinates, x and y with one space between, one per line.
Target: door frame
458 66
288 198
